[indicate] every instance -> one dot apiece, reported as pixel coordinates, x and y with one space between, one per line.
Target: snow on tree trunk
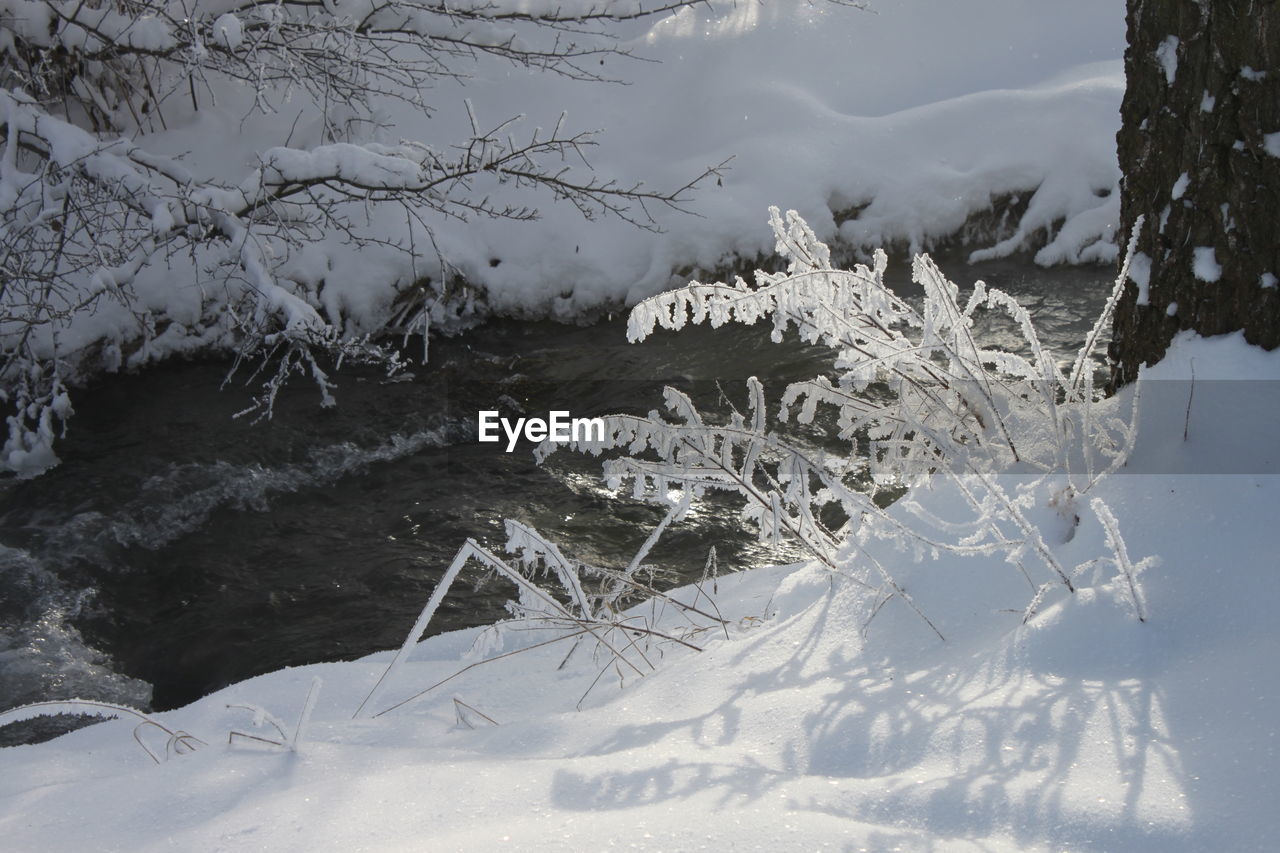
1200 150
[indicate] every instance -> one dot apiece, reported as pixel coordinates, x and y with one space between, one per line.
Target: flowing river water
176 550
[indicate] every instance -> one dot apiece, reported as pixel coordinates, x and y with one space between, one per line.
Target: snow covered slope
1085 729
918 114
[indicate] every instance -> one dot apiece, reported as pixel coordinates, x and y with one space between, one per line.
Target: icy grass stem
1126 567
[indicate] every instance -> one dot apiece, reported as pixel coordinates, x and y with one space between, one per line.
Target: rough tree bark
1199 147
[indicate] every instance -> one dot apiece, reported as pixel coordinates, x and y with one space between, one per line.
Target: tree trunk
1199 147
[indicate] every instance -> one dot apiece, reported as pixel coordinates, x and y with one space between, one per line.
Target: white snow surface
229 31
1082 730
1140 274
920 114
1204 264
1167 56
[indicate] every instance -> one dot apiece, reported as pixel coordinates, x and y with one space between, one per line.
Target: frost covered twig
177 743
1126 567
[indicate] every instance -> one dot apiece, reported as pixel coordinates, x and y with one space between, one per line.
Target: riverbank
177 550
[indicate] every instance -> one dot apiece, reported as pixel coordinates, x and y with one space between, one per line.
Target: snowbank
917 115
1084 729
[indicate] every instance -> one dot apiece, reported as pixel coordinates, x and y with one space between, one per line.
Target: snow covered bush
114 252
1020 436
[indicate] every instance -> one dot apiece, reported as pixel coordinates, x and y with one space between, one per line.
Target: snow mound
892 127
229 31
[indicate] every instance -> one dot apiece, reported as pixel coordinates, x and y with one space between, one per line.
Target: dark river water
176 550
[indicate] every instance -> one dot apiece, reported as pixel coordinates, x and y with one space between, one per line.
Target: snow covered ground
1084 729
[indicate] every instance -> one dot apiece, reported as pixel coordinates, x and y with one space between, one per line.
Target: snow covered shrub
915 388
114 253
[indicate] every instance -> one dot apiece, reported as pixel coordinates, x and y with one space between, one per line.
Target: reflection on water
181 550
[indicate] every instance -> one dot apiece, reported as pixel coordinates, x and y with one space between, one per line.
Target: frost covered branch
122 62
